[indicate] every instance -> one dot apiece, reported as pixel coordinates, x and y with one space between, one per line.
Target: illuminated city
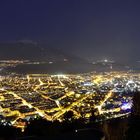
50 96
70 70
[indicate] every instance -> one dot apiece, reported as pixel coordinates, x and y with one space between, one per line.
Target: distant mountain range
32 51
62 61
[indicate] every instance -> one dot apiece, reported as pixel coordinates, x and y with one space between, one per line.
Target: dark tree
133 132
94 116
68 116
9 132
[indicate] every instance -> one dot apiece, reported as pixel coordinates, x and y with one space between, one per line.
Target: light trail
66 109
102 102
60 81
40 112
67 94
28 78
41 82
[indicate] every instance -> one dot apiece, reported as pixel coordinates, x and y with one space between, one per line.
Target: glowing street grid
50 96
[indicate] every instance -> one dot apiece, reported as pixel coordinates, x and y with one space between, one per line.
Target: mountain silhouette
62 61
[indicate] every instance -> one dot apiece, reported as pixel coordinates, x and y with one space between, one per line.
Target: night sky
91 29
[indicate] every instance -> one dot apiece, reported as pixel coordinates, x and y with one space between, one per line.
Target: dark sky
92 29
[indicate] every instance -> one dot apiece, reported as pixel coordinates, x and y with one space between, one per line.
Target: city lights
51 96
